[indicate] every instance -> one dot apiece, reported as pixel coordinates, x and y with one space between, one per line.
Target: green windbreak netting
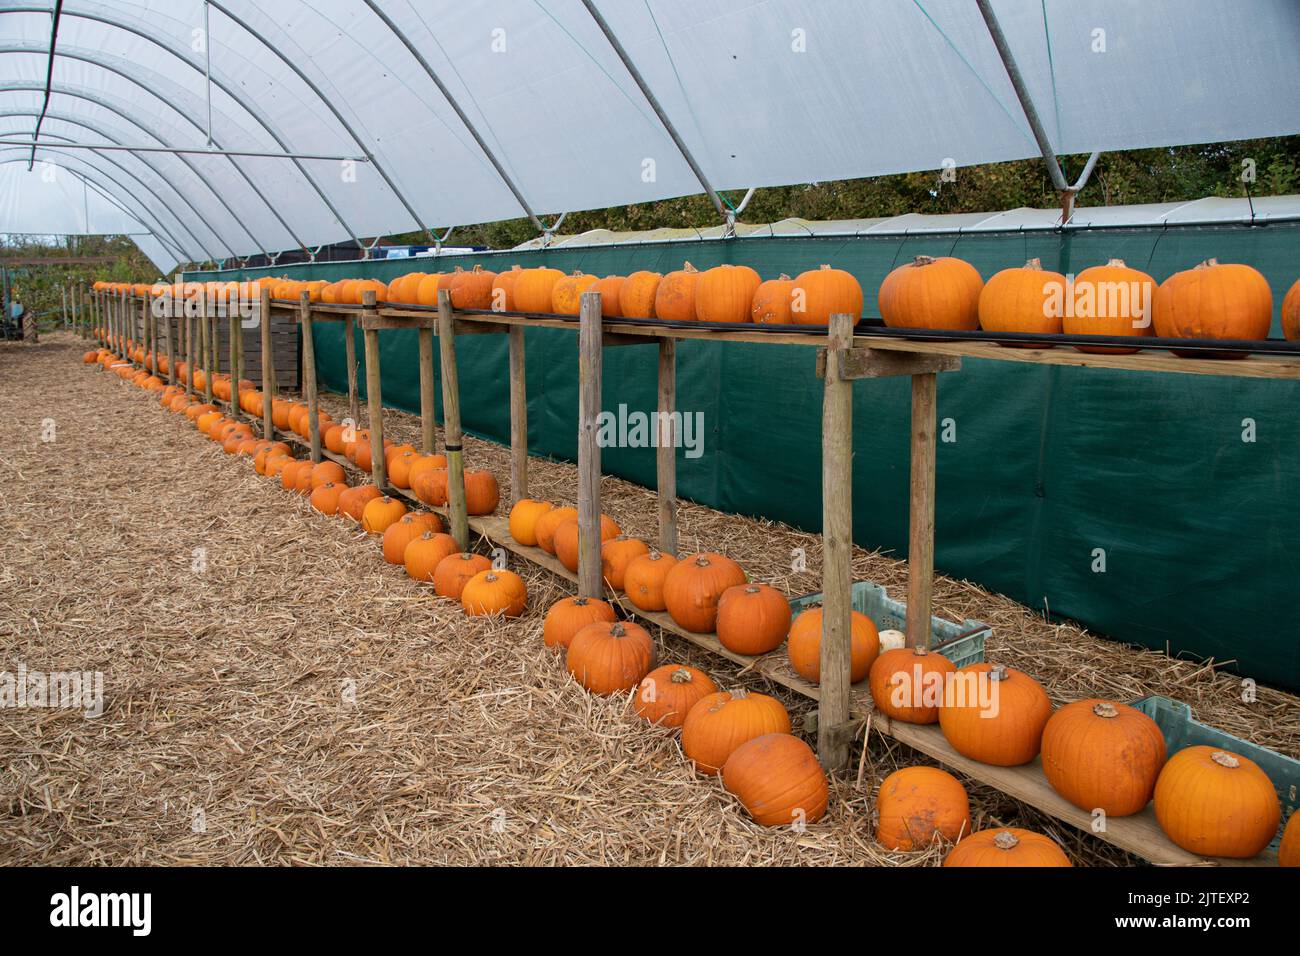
1155 509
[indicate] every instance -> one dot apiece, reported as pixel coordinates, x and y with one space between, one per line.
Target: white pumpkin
892 640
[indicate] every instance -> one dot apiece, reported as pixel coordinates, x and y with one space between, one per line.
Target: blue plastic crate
1175 721
888 614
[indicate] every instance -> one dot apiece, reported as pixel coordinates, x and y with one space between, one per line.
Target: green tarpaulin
1154 509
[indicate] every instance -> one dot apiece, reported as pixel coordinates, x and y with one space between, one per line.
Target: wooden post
189 349
232 319
837 541
920 548
666 450
209 347
518 416
171 340
451 434
374 395
268 372
147 333
309 375
350 356
428 423
66 319
590 580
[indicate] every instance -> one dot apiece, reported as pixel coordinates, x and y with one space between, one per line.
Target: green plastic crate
888 614
1180 729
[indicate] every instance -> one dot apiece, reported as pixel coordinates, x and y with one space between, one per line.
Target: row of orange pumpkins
1210 301
1100 755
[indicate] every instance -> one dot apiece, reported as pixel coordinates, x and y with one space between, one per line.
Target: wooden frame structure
844 710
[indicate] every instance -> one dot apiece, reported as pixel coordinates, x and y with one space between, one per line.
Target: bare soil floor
274 693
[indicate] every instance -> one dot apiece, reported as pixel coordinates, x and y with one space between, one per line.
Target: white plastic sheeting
763 92
54 202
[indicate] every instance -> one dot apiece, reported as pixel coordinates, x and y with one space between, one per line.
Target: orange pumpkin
334 438
494 592
1026 299
401 533
423 555
805 642
547 525
616 554
694 585
721 722
820 293
430 486
454 572
1099 754
566 539
533 289
1214 301
643 580
472 290
1110 300
1291 313
325 498
353 502
567 616
610 288
481 492
918 805
994 714
772 300
503 286
1007 846
1215 803
636 299
931 293
380 513
609 658
566 296
752 618
523 519
1288 851
327 471
777 778
726 293
667 694
675 297
907 684
399 468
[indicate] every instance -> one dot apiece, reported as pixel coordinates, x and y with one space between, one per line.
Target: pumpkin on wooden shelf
472 289
1216 803
402 532
567 616
423 555
1291 313
276 463
454 571
523 519
1102 755
430 486
777 779
609 658
533 289
994 714
805 642
907 684
771 302
353 502
326 471
1007 846
333 438
752 618
547 525
610 288
675 297
380 513
667 694
426 293
1025 299
481 492
1110 300
392 452
931 293
725 293
503 289
616 554
566 539
494 592
721 722
820 293
643 581
917 806
1213 301
325 498
399 469
694 585
566 296
636 298
1288 851
423 464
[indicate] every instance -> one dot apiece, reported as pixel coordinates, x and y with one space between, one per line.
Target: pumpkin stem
701 561
1105 709
580 602
1224 759
617 629
1005 840
489 576
681 676
1208 264
687 267
919 652
752 589
1117 264
998 672
1034 263
739 693
784 277
465 555
922 260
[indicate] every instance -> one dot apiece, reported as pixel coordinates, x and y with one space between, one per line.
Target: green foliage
39 285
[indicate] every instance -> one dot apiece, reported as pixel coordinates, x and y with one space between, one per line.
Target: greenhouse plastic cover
762 93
